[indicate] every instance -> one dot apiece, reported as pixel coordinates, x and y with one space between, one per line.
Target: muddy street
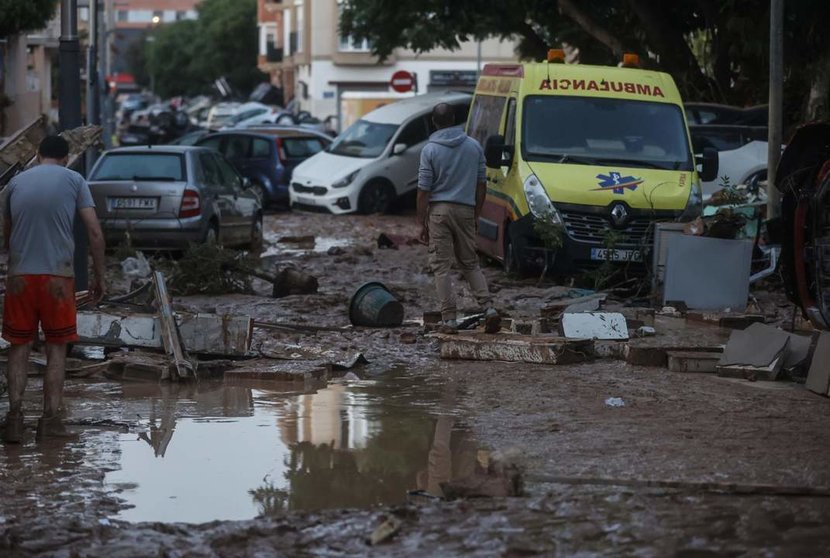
279 458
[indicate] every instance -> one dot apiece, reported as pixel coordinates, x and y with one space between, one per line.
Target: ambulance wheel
514 264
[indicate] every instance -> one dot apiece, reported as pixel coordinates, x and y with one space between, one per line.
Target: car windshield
603 131
363 139
141 166
301 147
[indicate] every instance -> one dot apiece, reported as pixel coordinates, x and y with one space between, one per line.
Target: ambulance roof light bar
630 60
556 55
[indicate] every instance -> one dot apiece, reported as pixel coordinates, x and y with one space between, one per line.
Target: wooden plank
170 330
515 348
204 334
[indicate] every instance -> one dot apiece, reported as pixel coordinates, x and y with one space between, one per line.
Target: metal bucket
372 305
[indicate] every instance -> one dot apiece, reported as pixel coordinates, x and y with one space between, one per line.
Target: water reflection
216 451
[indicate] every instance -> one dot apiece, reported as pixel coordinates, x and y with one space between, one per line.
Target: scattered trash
514 348
645 331
335 251
395 241
693 361
104 521
615 402
408 338
136 266
759 352
372 305
385 530
818 378
595 325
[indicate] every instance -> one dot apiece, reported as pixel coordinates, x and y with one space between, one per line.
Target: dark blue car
267 156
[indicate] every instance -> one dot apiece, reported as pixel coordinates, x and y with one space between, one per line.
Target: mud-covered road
691 465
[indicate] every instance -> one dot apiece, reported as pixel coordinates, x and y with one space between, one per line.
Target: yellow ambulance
589 149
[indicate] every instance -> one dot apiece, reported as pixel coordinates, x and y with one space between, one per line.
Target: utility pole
93 107
776 94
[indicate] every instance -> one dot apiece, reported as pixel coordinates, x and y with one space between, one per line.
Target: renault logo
619 215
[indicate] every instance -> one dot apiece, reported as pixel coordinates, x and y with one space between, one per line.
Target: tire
212 234
256 235
376 197
263 193
513 263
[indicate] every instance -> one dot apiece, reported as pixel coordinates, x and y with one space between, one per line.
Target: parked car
220 114
742 153
714 113
249 113
375 160
267 156
170 196
190 138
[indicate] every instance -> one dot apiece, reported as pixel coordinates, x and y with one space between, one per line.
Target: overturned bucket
372 305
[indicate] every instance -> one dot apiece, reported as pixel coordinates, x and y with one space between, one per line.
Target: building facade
331 75
26 63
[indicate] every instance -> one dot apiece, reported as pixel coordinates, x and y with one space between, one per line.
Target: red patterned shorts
48 300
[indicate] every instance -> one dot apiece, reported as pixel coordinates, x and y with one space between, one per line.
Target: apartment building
26 63
130 20
330 75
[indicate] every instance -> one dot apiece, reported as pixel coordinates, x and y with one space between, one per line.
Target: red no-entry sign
402 81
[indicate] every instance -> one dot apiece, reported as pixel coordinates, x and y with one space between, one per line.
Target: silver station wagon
167 197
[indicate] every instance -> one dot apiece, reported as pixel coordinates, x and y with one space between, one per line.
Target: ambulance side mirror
496 153
709 163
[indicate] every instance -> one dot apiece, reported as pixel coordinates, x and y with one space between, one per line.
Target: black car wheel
513 262
375 197
257 239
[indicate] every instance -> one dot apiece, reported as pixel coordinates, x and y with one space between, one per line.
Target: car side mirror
399 148
708 164
246 182
496 153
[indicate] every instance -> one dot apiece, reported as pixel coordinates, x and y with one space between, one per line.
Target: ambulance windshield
600 131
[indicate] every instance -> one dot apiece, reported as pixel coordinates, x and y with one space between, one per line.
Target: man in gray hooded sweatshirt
451 188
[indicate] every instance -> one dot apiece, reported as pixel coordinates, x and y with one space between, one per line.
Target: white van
375 160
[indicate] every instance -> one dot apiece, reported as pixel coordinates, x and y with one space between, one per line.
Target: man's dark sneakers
13 428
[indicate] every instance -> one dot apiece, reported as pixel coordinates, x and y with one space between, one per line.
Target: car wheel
212 234
257 239
513 262
263 193
375 197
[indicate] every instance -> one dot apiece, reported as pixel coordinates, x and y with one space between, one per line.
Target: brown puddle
211 451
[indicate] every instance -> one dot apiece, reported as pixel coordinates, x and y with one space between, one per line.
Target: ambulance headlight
694 206
538 200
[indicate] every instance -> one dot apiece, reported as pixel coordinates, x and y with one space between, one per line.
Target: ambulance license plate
615 255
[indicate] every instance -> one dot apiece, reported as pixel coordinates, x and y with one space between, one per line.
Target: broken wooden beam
202 334
169 330
515 348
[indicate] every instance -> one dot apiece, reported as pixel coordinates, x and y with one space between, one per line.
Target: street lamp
156 20
152 39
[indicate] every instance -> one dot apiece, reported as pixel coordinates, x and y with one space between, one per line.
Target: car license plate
614 255
303 200
133 203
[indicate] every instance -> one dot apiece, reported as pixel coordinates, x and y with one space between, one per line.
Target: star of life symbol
617 183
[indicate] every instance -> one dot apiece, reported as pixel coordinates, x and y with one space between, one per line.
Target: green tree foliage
715 49
17 16
186 57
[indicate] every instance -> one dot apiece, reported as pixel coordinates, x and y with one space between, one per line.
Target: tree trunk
570 9
818 97
667 41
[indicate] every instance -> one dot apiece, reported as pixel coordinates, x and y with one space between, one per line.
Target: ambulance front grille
591 228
